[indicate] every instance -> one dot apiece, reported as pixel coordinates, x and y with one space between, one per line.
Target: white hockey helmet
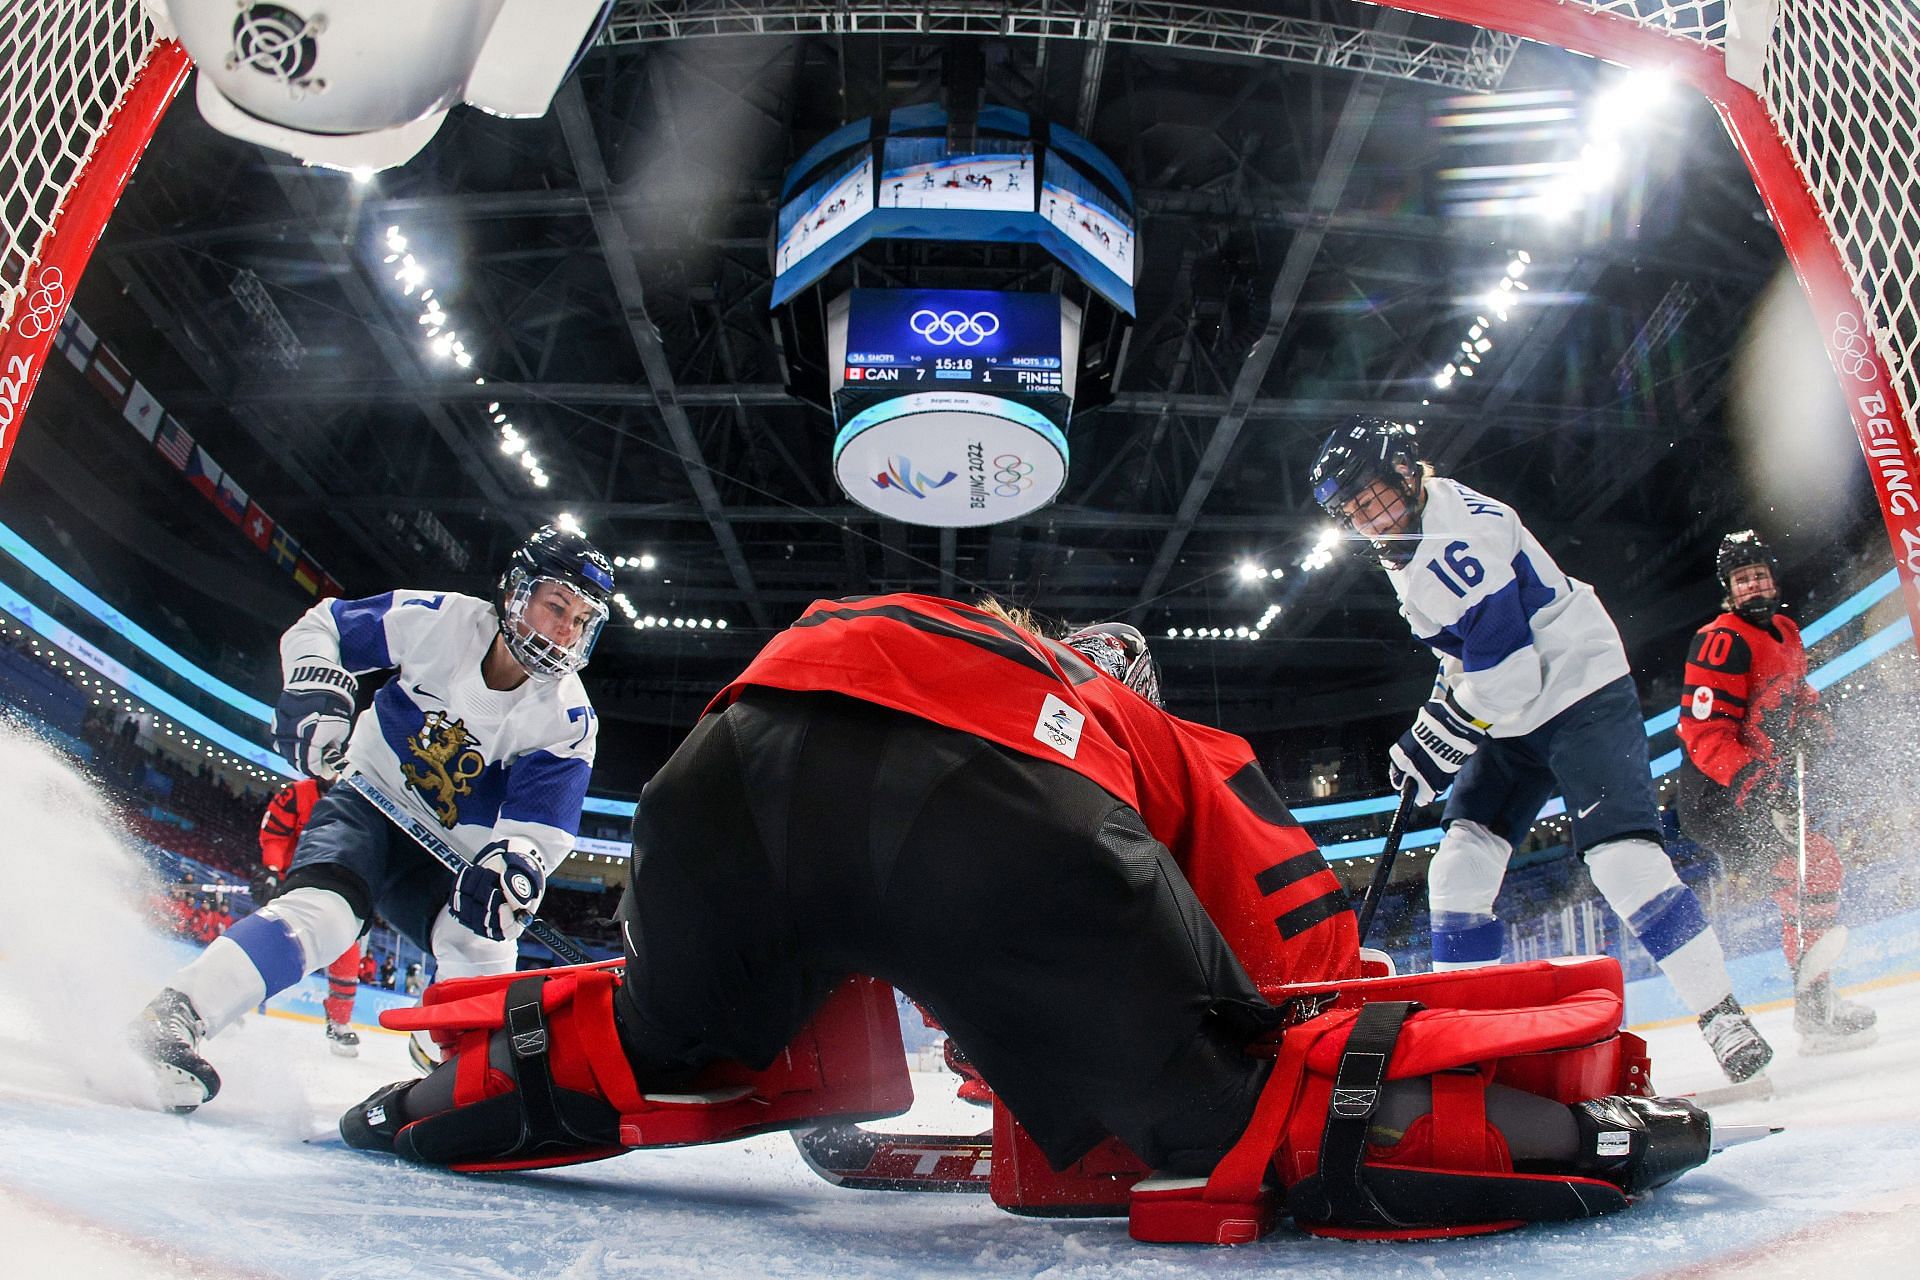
353 84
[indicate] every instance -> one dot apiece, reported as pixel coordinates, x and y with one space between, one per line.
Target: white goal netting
1840 82
64 65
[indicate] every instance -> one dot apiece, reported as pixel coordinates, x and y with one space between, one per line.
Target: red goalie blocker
555 1088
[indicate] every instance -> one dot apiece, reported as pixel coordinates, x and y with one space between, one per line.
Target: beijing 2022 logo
900 474
944 328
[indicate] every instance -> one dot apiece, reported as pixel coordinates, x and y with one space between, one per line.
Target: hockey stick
1800 885
1396 830
569 951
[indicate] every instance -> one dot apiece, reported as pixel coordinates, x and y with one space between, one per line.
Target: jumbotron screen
952 337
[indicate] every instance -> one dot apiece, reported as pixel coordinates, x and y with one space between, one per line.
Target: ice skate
422 1053
1828 1022
342 1039
167 1034
1741 1051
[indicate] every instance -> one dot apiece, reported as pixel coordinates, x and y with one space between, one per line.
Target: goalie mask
354 84
1353 458
541 629
1121 651
1740 551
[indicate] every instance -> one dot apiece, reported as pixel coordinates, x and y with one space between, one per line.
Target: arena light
1250 571
445 342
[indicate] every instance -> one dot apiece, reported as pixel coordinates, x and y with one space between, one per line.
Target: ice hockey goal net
1825 107
82 84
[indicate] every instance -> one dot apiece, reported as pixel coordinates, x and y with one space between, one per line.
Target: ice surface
90 1186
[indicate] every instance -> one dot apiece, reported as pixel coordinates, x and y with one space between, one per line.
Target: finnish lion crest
448 765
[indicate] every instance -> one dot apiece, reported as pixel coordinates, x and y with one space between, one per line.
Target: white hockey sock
1462 884
266 952
1638 881
223 984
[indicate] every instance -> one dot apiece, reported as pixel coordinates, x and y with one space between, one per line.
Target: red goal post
1832 137
83 84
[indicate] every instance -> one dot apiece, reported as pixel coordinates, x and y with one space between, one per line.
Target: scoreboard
923 339
952 404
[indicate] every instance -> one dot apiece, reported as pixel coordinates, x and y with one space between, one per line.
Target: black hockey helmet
1737 551
1356 455
556 555
1120 650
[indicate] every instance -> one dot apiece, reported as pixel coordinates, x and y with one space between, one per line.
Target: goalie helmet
1120 650
565 558
1737 551
354 84
1356 455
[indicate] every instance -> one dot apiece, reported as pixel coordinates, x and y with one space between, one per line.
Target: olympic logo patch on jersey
448 765
1702 702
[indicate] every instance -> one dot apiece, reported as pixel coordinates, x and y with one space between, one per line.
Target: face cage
1755 609
1397 549
543 659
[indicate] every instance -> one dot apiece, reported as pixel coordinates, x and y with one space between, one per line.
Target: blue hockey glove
314 716
1432 751
497 893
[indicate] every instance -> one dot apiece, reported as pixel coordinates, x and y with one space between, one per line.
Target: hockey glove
1432 751
496 894
314 716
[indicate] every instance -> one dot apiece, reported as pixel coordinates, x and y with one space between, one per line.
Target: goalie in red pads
1089 894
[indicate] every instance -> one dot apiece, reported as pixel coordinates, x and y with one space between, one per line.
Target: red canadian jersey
286 817
1746 688
1258 874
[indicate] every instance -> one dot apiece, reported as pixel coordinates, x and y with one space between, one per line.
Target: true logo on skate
448 765
1059 726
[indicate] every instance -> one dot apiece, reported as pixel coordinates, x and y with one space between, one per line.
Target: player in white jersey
1533 694
484 730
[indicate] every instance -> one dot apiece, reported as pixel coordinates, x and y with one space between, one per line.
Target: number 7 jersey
1519 641
480 763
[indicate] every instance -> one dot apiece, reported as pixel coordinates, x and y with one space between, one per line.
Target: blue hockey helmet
566 558
1356 455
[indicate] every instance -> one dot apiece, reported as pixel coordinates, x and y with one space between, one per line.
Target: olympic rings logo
1012 475
41 307
940 328
1853 351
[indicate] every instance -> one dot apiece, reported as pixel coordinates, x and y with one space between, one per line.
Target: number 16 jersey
1519 641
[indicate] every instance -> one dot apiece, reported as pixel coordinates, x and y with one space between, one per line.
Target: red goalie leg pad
536 1075
1550 1029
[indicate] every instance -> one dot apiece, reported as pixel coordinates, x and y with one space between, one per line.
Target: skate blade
1726 1136
1757 1089
344 1050
1815 1046
178 1092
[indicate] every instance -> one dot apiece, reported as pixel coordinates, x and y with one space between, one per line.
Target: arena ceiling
1326 190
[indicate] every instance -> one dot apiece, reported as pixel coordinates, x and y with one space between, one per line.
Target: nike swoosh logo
1589 809
425 692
